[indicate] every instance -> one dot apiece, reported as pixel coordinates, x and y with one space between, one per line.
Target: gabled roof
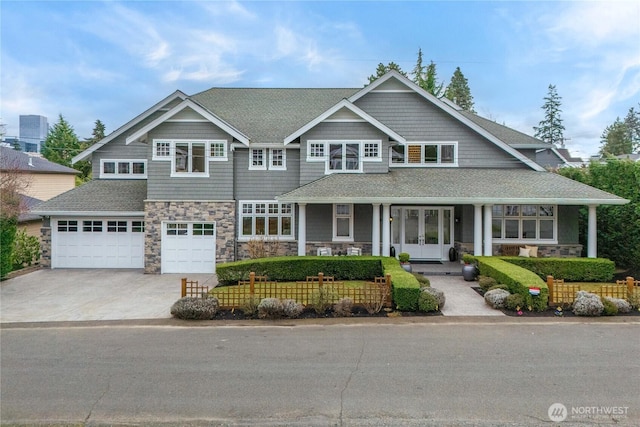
188 103
19 161
269 115
451 186
28 203
104 197
449 109
344 104
131 123
514 138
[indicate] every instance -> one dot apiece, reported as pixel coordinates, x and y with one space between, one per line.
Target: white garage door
97 243
188 247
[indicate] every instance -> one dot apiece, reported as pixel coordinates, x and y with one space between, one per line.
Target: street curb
342 321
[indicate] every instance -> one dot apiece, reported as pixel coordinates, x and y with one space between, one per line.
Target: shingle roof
451 186
100 196
28 204
11 159
269 115
506 134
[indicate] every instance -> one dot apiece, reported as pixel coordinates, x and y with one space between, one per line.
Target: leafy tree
12 184
551 129
458 91
84 166
384 69
616 139
61 143
618 226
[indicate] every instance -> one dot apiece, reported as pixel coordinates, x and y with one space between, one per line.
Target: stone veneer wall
559 251
223 213
291 248
45 247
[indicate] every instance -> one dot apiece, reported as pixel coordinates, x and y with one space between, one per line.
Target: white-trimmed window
525 223
68 226
343 222
257 159
177 229
137 226
344 155
116 226
277 159
206 229
266 219
92 226
427 154
123 169
189 157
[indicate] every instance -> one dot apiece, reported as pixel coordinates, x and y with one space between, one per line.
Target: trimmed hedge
292 268
405 288
518 279
569 269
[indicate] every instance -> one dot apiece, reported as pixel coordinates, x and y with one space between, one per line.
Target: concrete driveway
102 294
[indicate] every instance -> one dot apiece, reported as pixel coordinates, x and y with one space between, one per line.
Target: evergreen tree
61 143
84 166
431 81
419 74
616 139
551 129
458 91
632 121
384 69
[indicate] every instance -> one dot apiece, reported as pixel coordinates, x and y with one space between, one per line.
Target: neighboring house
42 181
193 180
635 157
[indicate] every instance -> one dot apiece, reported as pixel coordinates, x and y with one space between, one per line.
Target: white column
592 233
488 239
302 229
477 230
386 230
375 230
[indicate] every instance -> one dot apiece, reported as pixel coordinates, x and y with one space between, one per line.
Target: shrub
404 257
587 304
322 299
26 250
190 308
486 282
250 306
569 269
518 279
427 302
437 293
404 285
496 298
513 301
499 286
623 305
424 282
291 308
270 308
634 299
343 307
610 308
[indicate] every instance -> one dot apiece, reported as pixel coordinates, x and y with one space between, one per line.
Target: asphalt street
442 373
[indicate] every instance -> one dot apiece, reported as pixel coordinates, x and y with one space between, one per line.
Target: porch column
477 230
302 229
375 230
386 230
488 235
592 233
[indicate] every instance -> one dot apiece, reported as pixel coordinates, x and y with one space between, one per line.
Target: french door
425 232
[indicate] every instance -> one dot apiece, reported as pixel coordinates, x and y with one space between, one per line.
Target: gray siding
416 119
320 223
311 171
117 150
568 232
547 159
265 184
161 186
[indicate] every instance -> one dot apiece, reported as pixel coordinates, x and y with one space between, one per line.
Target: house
193 180
42 180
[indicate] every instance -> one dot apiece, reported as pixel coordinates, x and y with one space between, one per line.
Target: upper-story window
343 156
123 169
189 157
275 158
443 154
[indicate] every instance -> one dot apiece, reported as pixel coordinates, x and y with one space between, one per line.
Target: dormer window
426 154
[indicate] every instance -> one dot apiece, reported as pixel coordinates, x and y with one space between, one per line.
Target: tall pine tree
616 139
427 77
384 69
61 143
84 166
458 91
551 129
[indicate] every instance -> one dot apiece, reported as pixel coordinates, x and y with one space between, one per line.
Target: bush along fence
565 293
313 290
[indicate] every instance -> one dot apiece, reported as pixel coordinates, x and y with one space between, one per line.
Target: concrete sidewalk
103 294
461 300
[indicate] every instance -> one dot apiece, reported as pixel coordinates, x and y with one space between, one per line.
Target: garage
97 243
188 247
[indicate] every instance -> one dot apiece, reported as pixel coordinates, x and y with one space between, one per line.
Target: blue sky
91 60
